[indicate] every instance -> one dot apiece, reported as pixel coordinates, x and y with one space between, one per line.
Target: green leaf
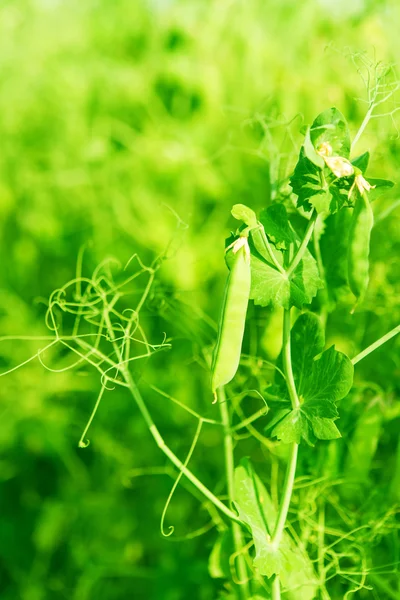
331 127
361 162
270 287
321 379
312 181
311 153
318 189
325 429
277 226
307 185
309 340
256 509
241 212
292 428
329 380
381 185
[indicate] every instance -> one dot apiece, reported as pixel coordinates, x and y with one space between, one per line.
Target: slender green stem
324 292
286 496
303 246
321 536
269 249
395 477
260 413
166 450
287 360
230 467
82 442
321 550
363 125
292 462
276 588
385 338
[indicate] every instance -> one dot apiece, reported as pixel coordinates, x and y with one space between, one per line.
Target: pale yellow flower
341 167
362 185
325 149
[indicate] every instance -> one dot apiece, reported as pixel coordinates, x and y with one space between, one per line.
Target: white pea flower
362 185
325 149
341 167
241 242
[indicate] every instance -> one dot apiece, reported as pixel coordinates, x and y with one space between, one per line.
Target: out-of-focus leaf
218 563
381 185
361 449
256 509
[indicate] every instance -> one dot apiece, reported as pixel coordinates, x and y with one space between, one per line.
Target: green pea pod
358 251
361 450
233 317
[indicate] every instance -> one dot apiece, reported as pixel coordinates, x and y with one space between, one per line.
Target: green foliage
322 379
330 127
334 248
362 162
256 509
273 287
313 181
135 130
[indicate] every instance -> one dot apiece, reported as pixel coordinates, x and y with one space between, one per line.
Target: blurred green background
132 126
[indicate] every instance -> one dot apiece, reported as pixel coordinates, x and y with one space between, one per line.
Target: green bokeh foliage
125 126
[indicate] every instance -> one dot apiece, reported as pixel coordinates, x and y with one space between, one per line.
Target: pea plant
270 264
316 535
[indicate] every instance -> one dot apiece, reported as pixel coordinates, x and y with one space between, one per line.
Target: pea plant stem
287 360
385 338
276 588
292 461
137 396
260 413
324 292
303 246
286 495
243 588
269 249
363 125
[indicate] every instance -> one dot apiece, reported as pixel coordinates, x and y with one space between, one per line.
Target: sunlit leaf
314 183
256 509
321 379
